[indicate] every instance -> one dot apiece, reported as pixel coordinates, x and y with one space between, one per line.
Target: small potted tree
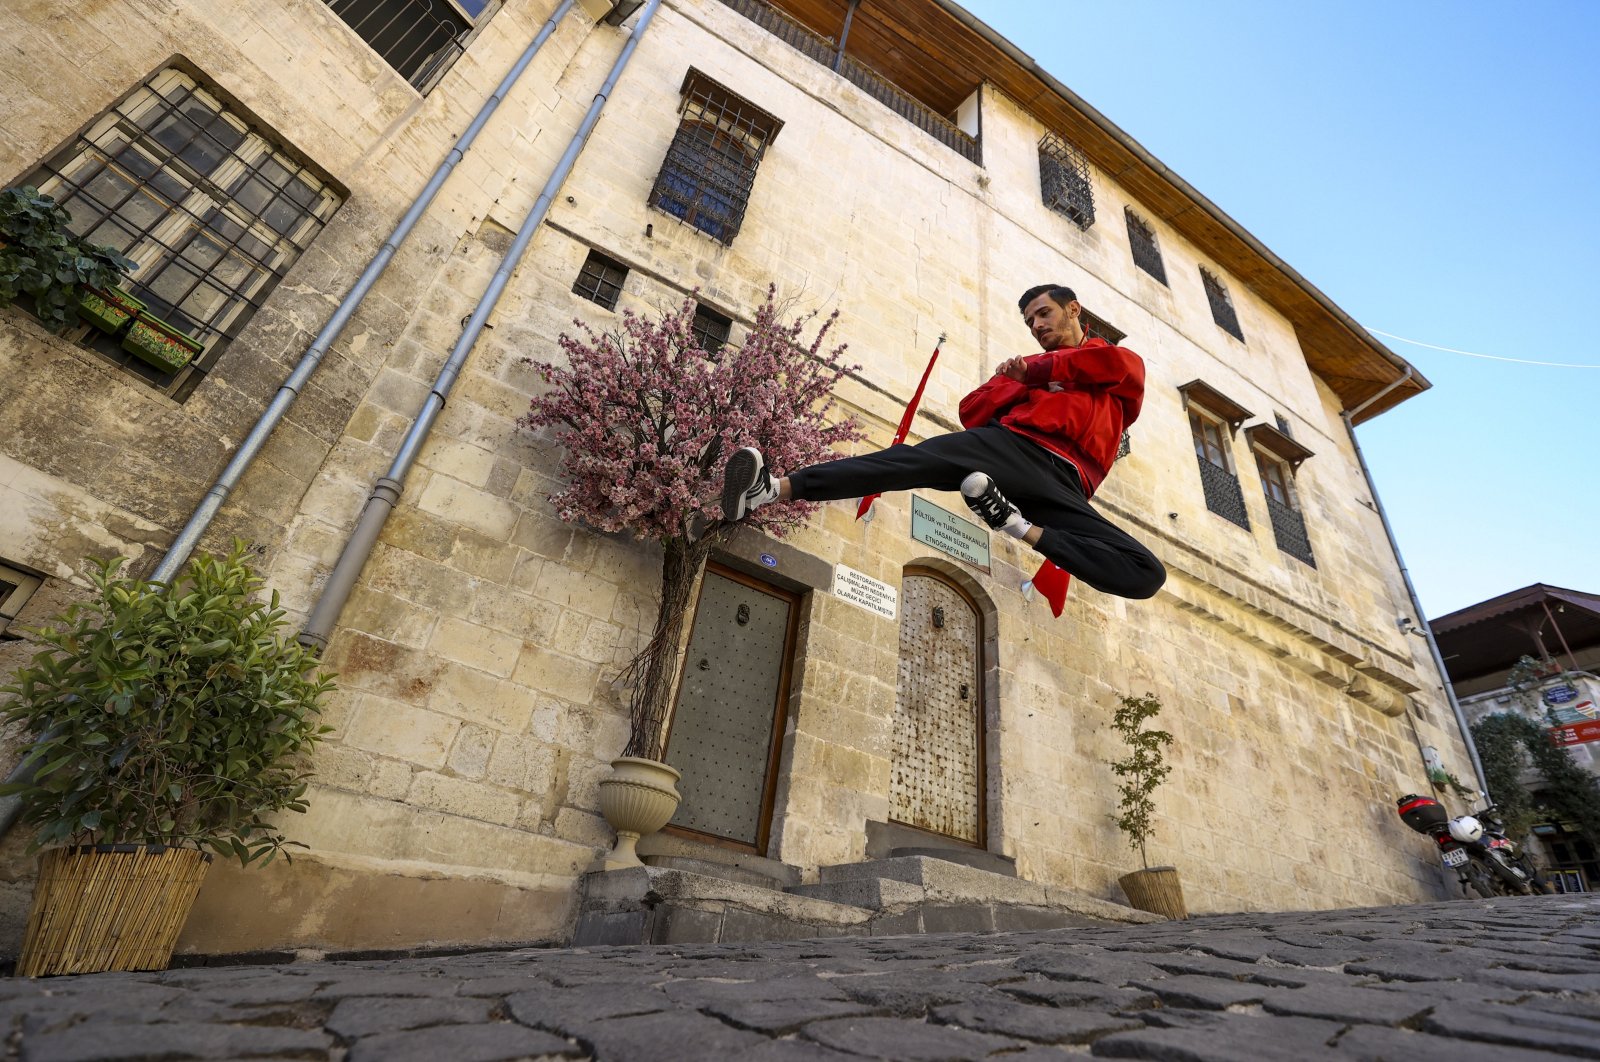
169 721
1155 889
41 258
647 418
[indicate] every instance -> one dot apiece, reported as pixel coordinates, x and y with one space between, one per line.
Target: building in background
901 164
1559 631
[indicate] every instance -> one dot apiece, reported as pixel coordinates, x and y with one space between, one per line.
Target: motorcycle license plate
1455 857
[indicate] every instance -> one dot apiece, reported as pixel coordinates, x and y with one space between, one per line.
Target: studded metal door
725 729
936 775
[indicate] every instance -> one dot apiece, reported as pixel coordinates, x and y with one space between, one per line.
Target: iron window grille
710 166
1222 310
419 39
1142 240
600 280
1223 495
711 330
1125 446
1064 180
1278 458
1213 419
211 211
1097 328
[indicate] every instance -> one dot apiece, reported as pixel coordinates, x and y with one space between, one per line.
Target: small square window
600 280
1064 180
1222 310
1142 239
16 586
1096 328
711 330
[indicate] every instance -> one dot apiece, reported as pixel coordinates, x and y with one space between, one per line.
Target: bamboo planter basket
1156 890
99 908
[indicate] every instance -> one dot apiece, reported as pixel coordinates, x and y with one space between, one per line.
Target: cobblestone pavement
1505 979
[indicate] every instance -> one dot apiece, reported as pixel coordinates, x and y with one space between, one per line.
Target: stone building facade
477 712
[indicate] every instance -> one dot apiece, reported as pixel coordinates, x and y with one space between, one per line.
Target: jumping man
1040 436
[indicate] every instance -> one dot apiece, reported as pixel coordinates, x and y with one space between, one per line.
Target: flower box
152 340
108 309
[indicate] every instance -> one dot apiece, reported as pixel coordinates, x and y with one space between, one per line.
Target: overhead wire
1473 354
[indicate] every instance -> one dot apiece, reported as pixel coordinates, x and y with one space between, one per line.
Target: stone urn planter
637 800
1157 890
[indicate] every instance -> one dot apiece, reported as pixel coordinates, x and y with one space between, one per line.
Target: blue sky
1435 169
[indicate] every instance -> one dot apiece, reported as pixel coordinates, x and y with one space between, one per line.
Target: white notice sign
864 591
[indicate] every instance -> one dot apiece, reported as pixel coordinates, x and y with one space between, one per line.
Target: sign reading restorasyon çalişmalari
864 591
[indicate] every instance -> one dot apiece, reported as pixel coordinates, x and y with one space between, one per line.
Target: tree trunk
654 671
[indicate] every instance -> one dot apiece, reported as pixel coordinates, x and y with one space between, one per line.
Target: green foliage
1508 744
43 259
1141 771
1443 779
168 714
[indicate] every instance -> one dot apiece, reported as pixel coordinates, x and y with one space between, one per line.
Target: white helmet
1466 829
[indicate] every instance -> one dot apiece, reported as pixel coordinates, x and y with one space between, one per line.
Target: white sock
1016 527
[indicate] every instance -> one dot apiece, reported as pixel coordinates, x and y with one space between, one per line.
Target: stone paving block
1495 1023
1208 993
566 1010
1377 1043
93 1041
697 993
910 994
778 1017
380 983
1085 964
1347 1004
1533 981
1303 977
793 1049
1230 1038
900 1040
666 1037
497 1042
1044 1024
268 986
1205 965
364 1016
1081 994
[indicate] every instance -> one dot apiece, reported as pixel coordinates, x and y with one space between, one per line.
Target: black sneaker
746 483
985 499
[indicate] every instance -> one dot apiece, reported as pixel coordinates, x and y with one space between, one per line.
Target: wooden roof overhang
939 53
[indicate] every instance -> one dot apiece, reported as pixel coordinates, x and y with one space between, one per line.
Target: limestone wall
476 710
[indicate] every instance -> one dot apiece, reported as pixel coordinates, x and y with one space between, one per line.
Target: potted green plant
42 258
169 722
1155 889
152 340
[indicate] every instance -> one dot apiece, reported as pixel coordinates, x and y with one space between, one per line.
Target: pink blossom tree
648 419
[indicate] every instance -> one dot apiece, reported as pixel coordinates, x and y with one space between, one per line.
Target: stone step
877 894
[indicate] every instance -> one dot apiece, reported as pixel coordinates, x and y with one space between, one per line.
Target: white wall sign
864 591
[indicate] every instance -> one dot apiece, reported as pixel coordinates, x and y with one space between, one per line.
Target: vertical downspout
844 34
1411 590
245 455
253 443
386 491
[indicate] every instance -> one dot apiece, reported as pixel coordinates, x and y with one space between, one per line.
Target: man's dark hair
1060 294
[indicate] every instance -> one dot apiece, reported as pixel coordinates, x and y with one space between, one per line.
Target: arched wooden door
936 776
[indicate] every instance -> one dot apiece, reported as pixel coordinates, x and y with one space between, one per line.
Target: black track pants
1045 488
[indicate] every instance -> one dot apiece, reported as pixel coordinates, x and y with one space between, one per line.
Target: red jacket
1076 402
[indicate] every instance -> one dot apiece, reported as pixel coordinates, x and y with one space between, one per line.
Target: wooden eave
1277 443
939 53
1213 401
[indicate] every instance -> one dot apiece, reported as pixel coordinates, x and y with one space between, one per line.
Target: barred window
418 38
16 586
1222 310
1213 418
600 280
1278 458
212 212
1064 180
1142 239
711 330
1096 327
711 164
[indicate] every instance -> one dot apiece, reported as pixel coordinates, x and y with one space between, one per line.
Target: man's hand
1015 368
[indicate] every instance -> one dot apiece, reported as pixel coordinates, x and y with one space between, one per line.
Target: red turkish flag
1052 583
904 429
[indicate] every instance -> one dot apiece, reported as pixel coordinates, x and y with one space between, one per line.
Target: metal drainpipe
1411 591
189 537
386 491
242 458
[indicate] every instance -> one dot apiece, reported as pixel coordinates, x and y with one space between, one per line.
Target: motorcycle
1475 847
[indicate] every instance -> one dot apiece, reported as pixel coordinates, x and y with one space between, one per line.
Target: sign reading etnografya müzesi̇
949 533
